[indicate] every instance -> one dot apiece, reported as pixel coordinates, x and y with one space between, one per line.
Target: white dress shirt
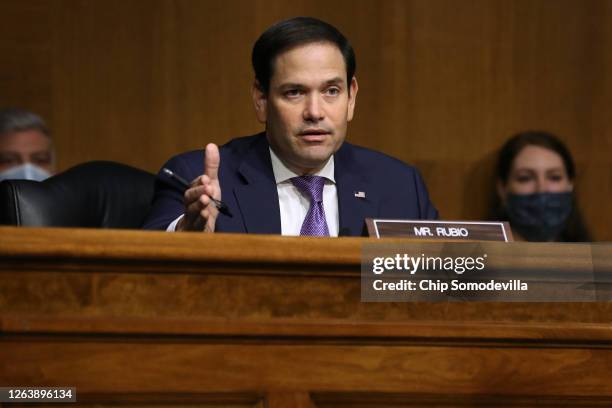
294 205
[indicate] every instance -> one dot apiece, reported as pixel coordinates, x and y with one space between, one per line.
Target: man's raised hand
200 212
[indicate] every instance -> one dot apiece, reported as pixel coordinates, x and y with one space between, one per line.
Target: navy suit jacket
392 188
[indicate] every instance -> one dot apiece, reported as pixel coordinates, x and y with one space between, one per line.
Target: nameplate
440 230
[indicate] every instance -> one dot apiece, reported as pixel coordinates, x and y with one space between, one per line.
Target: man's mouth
313 135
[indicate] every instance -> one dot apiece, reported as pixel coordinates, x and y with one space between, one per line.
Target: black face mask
539 216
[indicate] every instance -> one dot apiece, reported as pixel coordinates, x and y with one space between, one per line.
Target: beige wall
442 82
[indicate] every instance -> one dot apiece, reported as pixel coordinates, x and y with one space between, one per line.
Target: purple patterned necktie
314 223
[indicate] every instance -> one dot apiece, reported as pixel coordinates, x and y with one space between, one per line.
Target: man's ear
353 88
260 102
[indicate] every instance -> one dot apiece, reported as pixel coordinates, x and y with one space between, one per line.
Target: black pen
221 206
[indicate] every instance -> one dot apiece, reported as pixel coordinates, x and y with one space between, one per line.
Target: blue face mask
26 171
539 216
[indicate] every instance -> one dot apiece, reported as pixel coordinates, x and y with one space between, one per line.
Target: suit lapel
258 197
356 200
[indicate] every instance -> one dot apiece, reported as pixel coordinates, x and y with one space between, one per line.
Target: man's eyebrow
291 85
334 80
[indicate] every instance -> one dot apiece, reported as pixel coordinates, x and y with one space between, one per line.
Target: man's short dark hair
288 34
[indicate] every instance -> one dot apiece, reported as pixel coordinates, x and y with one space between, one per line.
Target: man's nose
313 111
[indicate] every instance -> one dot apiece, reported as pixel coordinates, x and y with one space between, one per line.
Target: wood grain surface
442 83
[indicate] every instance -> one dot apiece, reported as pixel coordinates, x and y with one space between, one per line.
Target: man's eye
333 91
5 161
292 93
41 159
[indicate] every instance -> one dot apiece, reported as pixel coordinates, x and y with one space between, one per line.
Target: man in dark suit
299 177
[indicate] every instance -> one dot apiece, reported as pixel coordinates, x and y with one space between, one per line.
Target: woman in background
535 189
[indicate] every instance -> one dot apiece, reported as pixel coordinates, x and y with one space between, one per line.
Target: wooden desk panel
146 318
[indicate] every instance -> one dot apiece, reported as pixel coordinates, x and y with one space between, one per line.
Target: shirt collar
283 174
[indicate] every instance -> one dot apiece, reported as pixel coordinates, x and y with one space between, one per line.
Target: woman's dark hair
575 228
291 33
518 142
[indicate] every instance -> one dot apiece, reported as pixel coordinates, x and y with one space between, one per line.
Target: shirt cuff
172 226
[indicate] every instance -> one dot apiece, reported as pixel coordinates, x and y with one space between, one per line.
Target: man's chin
314 161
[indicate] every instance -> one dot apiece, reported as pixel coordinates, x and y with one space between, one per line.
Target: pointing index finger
211 161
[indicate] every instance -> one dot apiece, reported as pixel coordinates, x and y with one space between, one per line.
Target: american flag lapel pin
359 194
